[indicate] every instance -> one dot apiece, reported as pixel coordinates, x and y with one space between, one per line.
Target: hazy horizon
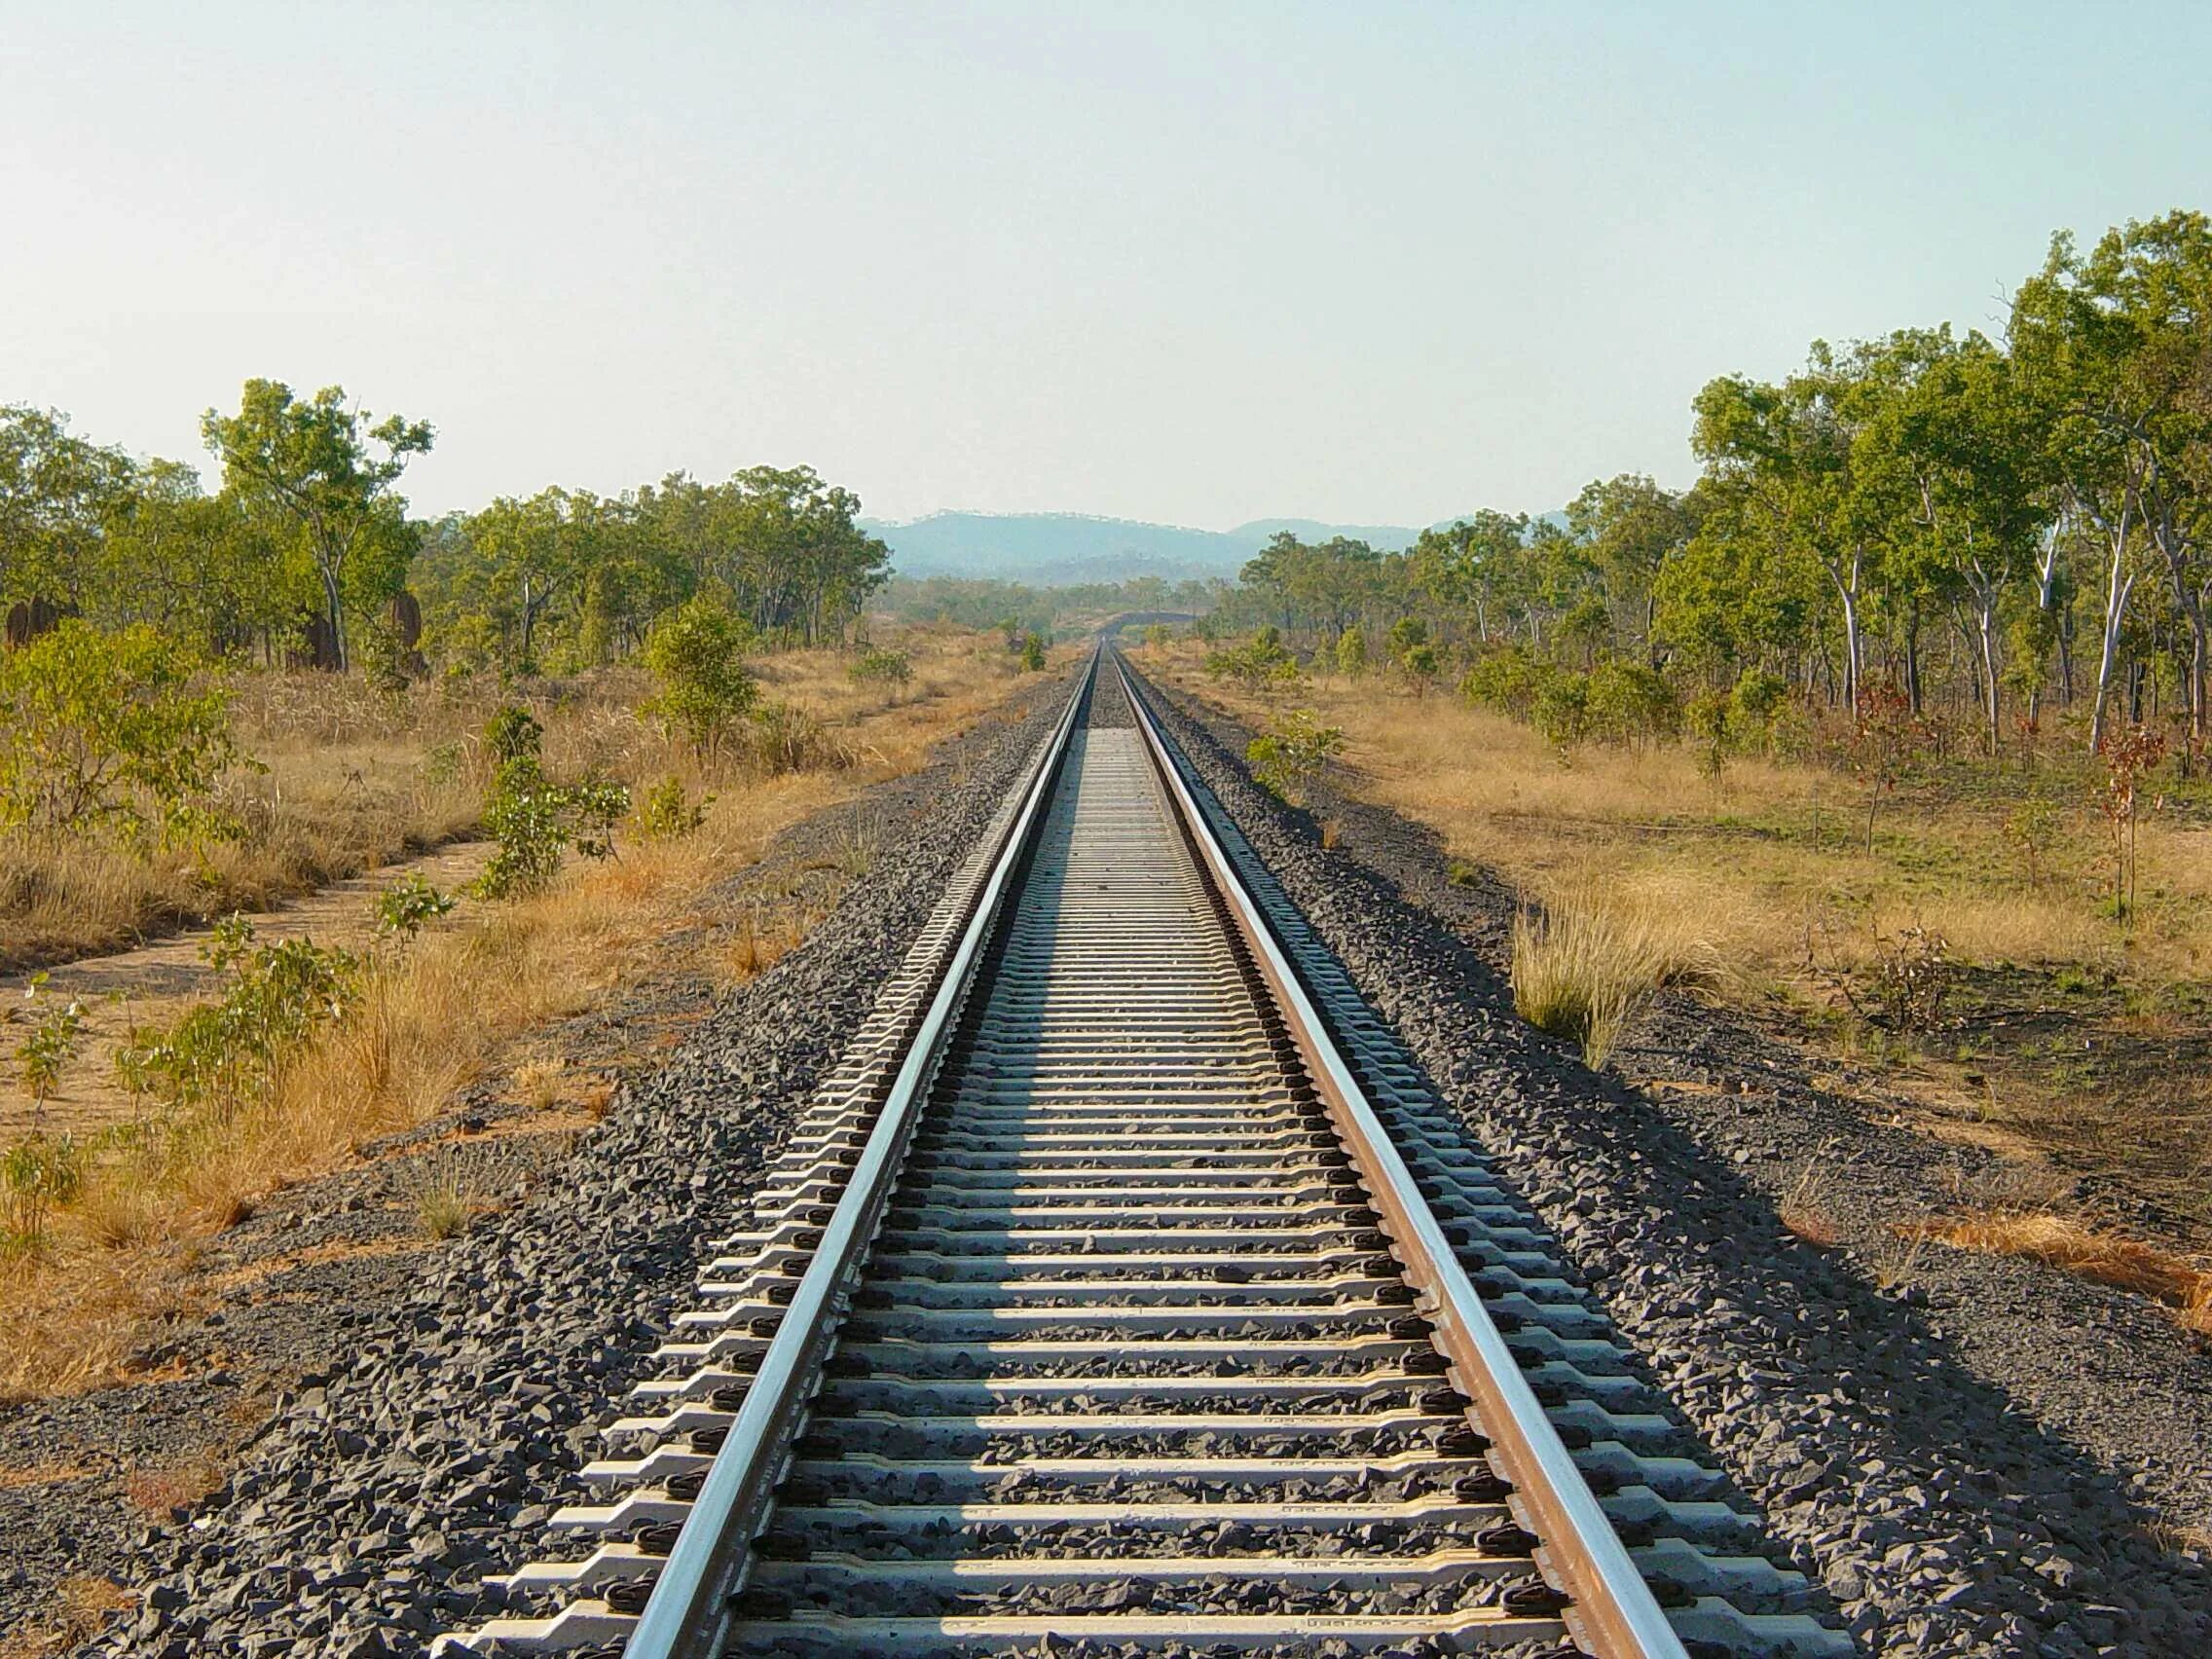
1134 262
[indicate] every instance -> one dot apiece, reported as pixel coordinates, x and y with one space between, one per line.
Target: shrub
1627 701
224 1052
1286 761
513 733
1032 652
1562 711
36 1174
668 813
403 907
1759 710
1420 667
51 1046
536 821
1509 680
1156 636
118 732
696 656
1913 977
1262 665
1406 633
882 668
1706 717
1351 653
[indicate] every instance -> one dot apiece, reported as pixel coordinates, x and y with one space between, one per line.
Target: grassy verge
1966 959
119 1248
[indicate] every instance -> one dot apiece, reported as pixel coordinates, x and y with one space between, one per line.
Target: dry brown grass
163 1489
1777 848
443 1015
1801 1211
82 1607
2092 1252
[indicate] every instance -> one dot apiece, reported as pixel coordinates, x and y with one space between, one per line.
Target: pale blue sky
1195 262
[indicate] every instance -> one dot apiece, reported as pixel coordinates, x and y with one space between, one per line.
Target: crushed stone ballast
1128 1290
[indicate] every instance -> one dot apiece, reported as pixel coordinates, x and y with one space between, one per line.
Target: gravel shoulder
365 1422
1976 1455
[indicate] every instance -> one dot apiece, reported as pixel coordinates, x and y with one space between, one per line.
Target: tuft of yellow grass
80 1606
1586 963
2091 1252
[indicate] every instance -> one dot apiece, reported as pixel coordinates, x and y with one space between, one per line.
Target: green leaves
696 656
127 732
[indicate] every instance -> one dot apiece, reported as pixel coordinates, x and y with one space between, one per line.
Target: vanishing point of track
1129 1292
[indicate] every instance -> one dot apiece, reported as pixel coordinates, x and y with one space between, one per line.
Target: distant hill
1045 549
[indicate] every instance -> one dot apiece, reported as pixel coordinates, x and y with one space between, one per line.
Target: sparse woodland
1891 729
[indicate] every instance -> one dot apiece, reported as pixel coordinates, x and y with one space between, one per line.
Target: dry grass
2092 1252
445 1013
164 1489
1777 848
1585 965
82 1607
1801 1211
445 1207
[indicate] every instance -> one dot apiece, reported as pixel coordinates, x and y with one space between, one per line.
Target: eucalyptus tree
57 493
2117 347
1946 471
320 464
1778 461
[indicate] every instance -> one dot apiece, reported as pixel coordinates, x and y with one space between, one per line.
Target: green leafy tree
696 656
322 465
121 730
1351 653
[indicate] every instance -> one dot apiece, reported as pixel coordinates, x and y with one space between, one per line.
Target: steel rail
1614 1613
688 1614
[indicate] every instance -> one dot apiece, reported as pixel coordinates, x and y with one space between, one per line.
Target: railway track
1129 1292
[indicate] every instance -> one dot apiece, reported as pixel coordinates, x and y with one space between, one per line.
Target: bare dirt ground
155 983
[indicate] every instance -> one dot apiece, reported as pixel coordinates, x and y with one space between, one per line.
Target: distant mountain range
1058 549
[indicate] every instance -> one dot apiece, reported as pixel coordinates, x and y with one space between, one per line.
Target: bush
1032 652
668 813
1627 701
1406 633
1351 653
1509 680
36 1174
513 733
1562 711
1420 667
883 668
1286 761
53 1042
223 1053
536 821
1156 636
696 656
1262 665
119 731
1759 711
403 907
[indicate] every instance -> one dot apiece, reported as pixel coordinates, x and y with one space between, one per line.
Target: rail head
688 1614
1612 1613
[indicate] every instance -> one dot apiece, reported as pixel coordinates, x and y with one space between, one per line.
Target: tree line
305 551
1992 526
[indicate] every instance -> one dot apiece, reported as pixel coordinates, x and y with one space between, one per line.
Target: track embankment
429 1399
1984 1456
